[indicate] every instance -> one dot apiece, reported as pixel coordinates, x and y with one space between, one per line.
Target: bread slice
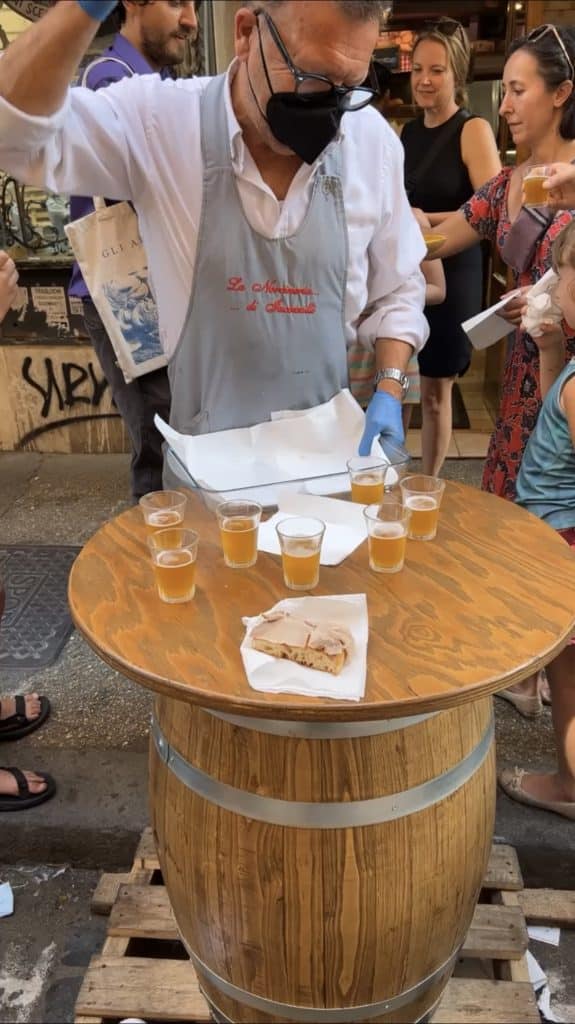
324 646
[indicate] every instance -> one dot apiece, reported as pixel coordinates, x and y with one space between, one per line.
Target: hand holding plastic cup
533 192
162 509
387 525
239 522
174 554
300 541
422 497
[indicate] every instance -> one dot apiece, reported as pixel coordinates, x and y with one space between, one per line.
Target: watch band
393 374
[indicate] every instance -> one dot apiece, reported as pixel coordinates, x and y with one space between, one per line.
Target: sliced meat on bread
323 646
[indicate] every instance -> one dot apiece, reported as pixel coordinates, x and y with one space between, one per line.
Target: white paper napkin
541 305
277 675
344 521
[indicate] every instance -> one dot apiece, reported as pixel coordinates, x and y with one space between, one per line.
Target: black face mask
306 124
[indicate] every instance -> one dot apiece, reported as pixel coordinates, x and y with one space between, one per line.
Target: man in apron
270 201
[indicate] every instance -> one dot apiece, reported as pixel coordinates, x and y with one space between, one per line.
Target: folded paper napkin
277 675
345 526
541 306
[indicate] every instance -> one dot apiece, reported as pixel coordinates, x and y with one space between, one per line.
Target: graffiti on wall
64 386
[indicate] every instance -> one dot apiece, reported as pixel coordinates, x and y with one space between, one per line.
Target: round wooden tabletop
486 603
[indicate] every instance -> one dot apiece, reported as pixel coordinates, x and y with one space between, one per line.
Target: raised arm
38 67
71 141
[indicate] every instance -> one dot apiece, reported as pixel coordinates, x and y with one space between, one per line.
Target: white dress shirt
139 139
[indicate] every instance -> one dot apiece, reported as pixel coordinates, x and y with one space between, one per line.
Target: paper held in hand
487 327
309 447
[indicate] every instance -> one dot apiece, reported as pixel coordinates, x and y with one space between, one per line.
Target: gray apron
265 328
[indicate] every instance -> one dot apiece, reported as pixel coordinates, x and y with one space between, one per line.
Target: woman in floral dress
488 213
539 107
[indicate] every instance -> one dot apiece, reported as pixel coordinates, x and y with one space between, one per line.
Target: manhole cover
36 622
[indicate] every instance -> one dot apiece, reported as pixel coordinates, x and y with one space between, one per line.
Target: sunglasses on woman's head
538 34
445 26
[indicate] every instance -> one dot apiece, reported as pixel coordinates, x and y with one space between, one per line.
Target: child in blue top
546 487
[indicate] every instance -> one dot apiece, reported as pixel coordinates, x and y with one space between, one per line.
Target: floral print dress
487 213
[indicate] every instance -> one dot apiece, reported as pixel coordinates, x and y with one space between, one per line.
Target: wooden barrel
323 871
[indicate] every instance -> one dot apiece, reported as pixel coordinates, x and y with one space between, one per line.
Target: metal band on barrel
311 1014
220 1017
321 730
335 814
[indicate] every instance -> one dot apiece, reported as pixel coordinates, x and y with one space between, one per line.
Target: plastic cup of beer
367 475
300 541
174 554
533 192
387 525
422 497
239 522
163 509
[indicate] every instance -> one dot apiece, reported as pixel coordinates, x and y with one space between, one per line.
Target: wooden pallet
143 970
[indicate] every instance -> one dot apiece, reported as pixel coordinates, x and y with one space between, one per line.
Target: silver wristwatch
393 374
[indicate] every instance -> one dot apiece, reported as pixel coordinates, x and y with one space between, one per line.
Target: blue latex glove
98 9
383 416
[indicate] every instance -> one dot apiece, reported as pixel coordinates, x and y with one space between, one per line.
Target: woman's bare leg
559 785
436 422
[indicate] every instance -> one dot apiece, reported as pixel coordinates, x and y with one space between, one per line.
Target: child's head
564 267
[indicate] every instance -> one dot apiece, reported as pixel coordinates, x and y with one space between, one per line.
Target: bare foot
8 707
9 786
547 787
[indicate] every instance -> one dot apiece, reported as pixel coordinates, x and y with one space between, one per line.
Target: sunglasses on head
445 26
538 34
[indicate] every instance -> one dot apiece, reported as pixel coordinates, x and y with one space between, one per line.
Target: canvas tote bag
114 264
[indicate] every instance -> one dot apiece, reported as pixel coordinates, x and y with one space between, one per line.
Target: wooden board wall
558 12
55 399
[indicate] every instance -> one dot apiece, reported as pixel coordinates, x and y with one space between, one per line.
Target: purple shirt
103 74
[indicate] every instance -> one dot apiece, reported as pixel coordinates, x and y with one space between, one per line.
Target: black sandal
18 724
25 798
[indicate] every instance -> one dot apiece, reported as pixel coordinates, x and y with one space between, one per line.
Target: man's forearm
392 354
37 68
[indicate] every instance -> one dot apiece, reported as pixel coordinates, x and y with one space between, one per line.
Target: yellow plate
433 242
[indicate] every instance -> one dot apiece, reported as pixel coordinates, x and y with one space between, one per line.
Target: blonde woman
448 155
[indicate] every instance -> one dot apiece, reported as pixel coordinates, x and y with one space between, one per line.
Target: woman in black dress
448 155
